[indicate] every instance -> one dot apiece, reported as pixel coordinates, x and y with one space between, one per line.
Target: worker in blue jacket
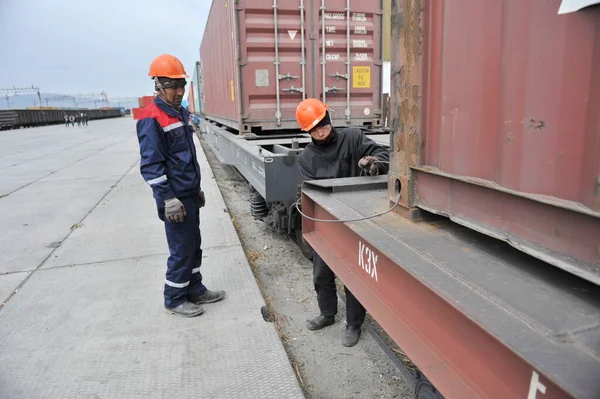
169 165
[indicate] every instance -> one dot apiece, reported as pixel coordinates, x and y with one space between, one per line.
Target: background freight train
17 118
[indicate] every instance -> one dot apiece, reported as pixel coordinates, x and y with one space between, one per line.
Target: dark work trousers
324 280
183 277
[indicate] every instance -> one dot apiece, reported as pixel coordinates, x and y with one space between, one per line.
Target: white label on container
332 57
329 43
360 30
262 78
335 15
359 44
330 29
359 17
292 33
361 57
367 111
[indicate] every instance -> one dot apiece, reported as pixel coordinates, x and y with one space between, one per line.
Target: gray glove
174 210
369 165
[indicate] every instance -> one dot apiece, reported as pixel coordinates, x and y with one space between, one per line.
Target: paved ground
81 280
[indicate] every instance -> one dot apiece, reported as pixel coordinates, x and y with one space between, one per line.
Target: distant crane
61 97
81 98
16 90
91 96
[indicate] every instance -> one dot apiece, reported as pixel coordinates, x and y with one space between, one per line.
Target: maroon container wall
246 95
218 53
517 103
497 119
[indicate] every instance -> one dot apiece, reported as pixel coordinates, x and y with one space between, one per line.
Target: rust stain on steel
405 96
536 124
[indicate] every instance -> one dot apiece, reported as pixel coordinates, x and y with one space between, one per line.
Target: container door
349 67
273 39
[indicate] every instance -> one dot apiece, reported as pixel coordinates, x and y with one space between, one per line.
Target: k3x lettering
367 260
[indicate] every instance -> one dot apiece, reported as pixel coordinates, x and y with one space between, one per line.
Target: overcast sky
84 46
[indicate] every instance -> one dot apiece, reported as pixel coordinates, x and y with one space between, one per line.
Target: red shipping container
498 106
136 112
146 100
260 58
141 102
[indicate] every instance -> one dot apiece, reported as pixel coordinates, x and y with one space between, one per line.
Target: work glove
202 199
369 165
174 210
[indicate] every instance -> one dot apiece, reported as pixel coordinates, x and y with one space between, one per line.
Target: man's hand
202 199
174 210
369 165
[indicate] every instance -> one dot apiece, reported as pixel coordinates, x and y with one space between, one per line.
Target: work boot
351 336
186 309
208 297
320 322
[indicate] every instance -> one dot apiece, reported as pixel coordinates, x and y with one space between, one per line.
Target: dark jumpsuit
339 158
169 165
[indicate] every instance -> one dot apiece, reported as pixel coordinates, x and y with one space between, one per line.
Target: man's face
175 96
321 133
173 92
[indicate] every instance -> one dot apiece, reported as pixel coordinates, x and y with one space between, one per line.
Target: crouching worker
169 165
336 153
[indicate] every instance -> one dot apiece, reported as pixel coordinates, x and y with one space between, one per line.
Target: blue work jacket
168 154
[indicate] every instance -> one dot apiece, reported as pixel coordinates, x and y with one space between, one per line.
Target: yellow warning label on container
361 77
232 91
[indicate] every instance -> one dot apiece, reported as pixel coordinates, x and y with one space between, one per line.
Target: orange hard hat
167 66
310 112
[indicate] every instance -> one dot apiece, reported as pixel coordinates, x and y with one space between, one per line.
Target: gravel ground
325 368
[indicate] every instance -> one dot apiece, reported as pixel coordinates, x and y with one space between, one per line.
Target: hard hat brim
316 121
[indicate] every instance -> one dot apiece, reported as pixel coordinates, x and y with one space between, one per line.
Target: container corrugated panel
498 108
198 102
255 70
191 98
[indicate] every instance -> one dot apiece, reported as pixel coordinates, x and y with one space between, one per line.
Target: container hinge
338 75
294 89
288 77
333 89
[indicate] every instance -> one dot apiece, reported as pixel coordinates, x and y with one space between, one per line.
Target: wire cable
349 220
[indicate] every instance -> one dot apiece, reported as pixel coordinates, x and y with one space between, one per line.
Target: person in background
85 118
66 120
335 153
72 119
170 167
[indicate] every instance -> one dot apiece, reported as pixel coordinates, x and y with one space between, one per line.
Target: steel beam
477 324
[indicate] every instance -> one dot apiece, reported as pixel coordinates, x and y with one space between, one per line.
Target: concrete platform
86 253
